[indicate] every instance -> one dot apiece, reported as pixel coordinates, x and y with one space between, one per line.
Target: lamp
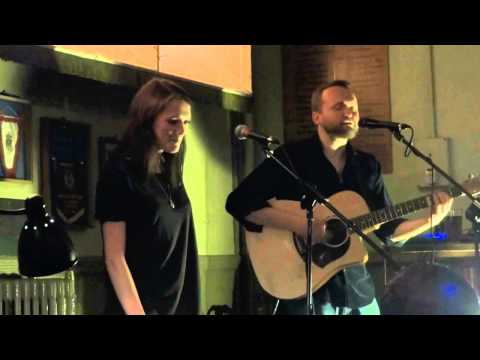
44 247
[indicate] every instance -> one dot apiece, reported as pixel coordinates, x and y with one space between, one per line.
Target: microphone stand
308 202
397 134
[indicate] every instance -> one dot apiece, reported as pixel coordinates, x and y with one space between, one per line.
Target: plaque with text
67 159
364 66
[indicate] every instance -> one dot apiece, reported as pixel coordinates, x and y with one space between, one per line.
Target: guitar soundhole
336 234
335 244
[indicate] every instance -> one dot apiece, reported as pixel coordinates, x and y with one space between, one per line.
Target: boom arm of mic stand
315 194
401 138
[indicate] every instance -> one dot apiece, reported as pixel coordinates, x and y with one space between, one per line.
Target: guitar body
277 261
278 258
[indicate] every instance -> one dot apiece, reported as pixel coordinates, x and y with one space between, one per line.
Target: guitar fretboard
396 211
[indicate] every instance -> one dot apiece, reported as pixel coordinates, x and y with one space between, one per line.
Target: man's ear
316 117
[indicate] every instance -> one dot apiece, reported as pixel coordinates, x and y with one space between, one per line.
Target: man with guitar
328 161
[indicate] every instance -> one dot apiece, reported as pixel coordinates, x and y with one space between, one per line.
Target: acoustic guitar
278 256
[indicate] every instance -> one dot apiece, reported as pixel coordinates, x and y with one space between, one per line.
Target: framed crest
14 128
65 169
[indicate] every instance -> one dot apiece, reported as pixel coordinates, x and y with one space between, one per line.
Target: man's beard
340 131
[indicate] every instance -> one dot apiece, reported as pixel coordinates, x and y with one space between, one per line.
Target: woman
147 227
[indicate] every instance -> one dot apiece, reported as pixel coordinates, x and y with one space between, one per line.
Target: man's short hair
316 101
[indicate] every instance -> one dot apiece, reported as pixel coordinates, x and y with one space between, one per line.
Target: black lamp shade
44 247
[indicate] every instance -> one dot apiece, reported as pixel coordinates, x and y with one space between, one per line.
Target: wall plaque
66 159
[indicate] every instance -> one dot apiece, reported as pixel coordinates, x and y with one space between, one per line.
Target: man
328 161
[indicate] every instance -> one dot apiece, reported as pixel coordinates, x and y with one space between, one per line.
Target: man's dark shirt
352 287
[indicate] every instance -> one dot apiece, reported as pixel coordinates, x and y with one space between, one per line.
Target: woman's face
171 125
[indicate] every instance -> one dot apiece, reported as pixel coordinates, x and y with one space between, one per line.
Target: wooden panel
223 66
304 68
144 56
364 66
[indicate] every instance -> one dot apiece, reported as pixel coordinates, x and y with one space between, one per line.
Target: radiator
41 296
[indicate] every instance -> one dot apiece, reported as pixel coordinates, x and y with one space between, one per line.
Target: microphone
377 124
242 132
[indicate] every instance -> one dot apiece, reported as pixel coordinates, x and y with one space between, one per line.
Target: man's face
338 113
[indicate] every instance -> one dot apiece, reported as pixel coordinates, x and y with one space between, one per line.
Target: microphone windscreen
241 131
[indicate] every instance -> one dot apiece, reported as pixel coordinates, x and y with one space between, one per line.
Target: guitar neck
397 211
